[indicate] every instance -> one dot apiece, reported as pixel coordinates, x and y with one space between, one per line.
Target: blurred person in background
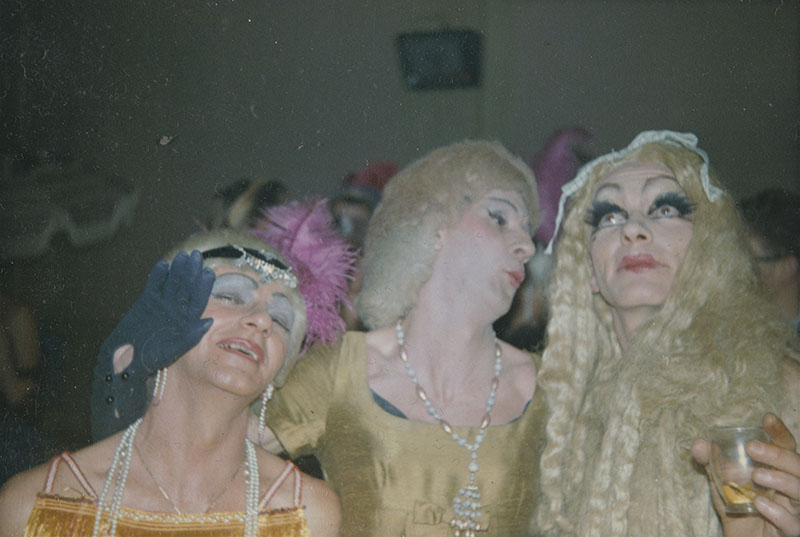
352 207
773 220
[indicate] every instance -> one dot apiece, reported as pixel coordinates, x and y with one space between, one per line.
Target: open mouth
241 349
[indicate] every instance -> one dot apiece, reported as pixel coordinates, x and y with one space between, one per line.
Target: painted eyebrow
647 183
611 186
507 202
230 275
669 178
281 296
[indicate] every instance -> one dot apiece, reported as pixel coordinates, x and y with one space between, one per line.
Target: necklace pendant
467 503
466 512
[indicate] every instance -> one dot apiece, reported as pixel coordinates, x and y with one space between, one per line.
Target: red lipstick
638 263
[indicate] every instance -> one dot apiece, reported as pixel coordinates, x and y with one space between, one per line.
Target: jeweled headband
269 267
680 139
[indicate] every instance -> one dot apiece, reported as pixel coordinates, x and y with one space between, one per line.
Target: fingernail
754 447
763 478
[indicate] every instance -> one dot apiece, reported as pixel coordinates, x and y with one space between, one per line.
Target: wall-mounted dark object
440 60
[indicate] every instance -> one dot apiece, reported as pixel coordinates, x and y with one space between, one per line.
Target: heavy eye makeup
671 205
233 288
498 216
604 214
503 211
241 290
666 205
281 311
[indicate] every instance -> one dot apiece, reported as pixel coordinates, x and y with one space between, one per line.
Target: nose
523 247
635 229
258 318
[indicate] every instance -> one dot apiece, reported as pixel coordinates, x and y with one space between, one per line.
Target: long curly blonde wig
621 422
430 194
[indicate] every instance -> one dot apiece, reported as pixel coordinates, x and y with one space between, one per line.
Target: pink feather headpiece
322 260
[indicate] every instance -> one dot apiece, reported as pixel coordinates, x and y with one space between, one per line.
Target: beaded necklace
118 475
467 503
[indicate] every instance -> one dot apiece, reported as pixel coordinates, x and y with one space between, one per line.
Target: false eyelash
676 199
599 210
498 217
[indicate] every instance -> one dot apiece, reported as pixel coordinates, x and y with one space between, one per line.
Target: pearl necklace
467 503
118 475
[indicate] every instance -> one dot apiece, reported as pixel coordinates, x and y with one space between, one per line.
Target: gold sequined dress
396 476
58 516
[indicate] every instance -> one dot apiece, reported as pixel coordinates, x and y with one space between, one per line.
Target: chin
239 384
497 313
641 295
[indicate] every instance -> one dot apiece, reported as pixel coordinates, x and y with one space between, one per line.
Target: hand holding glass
732 468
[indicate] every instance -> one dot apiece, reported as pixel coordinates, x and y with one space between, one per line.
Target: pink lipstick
517 276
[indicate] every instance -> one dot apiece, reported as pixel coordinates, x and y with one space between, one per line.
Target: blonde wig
621 422
430 194
207 241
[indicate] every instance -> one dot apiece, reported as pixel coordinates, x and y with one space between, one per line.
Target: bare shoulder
790 378
18 495
322 508
320 501
94 462
17 498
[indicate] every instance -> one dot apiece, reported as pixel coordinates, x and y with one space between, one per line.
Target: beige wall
726 70
306 91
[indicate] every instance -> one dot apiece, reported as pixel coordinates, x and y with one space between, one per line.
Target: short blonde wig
621 422
207 241
431 194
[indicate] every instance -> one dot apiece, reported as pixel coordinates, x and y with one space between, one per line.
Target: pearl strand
466 504
122 455
252 478
119 475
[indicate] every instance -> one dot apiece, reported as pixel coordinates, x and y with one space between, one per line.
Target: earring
158 390
262 416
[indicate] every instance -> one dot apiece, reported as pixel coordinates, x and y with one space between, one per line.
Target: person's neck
188 430
193 472
448 350
628 322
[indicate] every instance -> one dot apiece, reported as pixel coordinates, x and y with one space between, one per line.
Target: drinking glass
732 468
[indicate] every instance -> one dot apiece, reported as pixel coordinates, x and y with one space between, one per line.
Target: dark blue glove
162 325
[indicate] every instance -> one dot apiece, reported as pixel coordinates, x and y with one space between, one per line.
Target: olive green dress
396 476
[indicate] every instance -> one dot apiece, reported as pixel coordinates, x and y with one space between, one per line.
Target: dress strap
290 468
76 471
